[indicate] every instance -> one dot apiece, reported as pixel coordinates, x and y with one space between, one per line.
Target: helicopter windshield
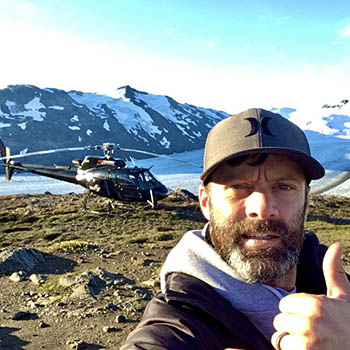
149 177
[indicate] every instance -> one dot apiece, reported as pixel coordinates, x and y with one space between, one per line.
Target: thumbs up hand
317 322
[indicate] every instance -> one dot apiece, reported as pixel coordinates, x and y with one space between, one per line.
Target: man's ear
307 201
203 197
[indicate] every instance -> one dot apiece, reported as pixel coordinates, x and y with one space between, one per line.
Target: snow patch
132 117
59 108
75 105
34 104
74 127
22 126
49 90
106 125
4 125
75 118
143 139
165 142
12 106
120 94
31 109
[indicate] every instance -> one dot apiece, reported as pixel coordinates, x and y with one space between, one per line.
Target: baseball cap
258 131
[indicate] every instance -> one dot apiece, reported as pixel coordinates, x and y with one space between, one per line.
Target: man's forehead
276 166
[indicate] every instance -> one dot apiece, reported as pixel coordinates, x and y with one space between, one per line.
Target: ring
279 338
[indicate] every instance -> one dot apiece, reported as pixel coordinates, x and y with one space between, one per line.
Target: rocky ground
80 280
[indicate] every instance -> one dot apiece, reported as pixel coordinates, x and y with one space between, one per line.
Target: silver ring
279 338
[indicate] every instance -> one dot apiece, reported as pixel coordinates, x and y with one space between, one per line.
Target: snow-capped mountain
328 131
38 119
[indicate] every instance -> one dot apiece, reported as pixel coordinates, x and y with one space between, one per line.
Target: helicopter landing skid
110 206
151 201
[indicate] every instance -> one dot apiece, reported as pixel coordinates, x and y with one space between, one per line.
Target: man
252 278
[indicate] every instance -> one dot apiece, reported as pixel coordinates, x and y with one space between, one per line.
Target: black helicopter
104 176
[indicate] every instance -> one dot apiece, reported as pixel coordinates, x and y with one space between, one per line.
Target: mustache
242 227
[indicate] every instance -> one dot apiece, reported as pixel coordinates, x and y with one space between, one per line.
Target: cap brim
312 168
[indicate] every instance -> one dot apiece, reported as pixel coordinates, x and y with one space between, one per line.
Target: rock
76 344
150 283
43 325
108 329
82 292
18 276
37 279
22 315
112 307
120 319
21 259
32 304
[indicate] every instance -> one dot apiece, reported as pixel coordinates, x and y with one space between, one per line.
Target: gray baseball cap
258 131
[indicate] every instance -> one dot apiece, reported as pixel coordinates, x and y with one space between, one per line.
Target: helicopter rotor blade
158 155
72 149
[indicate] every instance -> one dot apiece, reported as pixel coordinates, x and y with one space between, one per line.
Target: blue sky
222 54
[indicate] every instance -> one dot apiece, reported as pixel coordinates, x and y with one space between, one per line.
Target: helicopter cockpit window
126 179
148 176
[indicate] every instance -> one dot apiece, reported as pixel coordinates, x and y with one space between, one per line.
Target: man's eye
239 186
284 187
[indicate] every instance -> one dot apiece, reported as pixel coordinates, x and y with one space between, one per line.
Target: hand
318 322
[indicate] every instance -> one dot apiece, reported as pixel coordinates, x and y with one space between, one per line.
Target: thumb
338 286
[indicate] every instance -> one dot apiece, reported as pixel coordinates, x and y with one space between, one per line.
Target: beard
264 265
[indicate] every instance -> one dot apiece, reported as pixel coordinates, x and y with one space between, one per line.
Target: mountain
34 119
39 119
328 131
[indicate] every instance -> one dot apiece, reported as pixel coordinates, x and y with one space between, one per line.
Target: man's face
256 216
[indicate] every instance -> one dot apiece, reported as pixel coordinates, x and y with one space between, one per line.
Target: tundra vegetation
101 270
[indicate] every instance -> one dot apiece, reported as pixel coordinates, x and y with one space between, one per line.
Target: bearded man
252 278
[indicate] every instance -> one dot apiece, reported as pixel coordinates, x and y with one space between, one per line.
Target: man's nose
261 205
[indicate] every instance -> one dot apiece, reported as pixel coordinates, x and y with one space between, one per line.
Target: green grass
52 286
73 246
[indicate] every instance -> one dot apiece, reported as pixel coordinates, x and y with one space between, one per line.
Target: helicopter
104 176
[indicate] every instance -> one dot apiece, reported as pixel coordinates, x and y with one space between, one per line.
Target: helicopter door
128 187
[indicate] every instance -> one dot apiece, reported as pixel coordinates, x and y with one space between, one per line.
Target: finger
291 322
338 286
287 342
301 304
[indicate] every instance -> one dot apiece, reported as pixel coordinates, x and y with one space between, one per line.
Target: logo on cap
257 125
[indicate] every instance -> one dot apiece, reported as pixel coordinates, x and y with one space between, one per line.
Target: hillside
109 264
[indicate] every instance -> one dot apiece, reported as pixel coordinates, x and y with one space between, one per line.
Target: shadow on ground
54 265
9 341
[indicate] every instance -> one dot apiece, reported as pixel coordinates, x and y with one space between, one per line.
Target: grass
52 286
73 246
58 223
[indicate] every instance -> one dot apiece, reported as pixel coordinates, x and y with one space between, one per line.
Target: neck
287 282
